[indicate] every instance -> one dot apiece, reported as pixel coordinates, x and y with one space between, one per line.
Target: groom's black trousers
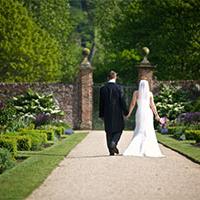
112 139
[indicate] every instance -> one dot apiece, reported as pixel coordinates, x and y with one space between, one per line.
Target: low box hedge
50 134
23 142
194 134
10 144
58 131
176 129
38 138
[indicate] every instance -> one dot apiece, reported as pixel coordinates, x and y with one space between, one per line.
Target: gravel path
88 173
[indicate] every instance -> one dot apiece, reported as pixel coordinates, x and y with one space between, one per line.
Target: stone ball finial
86 52
146 51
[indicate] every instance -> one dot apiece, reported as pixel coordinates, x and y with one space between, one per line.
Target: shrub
41 119
171 101
7 114
178 132
37 138
59 131
28 52
6 160
23 142
39 108
195 134
50 134
60 123
189 118
9 144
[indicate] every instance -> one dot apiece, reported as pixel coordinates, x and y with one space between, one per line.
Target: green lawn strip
183 147
21 180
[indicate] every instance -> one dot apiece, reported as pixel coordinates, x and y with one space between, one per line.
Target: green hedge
194 134
37 138
58 131
23 142
9 144
50 134
176 129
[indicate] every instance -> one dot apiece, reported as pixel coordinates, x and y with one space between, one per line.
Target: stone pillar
145 69
86 92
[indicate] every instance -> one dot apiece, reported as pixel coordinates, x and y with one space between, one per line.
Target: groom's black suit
112 108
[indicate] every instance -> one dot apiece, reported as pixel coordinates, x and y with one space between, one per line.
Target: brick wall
65 94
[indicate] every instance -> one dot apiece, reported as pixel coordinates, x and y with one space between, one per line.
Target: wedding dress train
144 141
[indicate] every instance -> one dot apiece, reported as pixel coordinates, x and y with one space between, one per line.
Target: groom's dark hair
112 74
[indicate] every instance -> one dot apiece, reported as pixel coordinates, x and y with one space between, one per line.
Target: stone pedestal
145 70
86 94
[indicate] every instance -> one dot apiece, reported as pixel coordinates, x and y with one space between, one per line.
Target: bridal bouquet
163 122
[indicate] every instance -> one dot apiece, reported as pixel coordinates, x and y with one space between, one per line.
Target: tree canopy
170 28
28 53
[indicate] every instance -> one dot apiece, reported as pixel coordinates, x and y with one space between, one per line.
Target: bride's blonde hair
143 77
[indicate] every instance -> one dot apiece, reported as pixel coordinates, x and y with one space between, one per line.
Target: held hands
127 116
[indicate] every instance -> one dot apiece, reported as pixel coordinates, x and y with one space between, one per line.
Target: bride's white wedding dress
144 141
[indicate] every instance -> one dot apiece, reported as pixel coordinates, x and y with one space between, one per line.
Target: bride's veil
142 118
143 90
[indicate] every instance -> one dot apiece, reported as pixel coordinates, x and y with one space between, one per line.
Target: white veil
142 114
143 91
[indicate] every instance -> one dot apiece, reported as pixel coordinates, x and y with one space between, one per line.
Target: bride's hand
157 118
127 116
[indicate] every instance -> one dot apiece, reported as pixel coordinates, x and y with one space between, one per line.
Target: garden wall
70 98
65 95
191 86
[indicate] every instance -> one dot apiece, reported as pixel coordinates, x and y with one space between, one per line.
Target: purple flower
190 117
41 119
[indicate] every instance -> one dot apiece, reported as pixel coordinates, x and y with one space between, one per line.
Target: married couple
112 110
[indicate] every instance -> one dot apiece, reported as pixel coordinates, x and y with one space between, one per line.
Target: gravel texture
88 173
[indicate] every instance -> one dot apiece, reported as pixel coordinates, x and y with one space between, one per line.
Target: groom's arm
123 102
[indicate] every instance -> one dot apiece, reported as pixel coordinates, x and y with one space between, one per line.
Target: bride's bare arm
133 102
153 107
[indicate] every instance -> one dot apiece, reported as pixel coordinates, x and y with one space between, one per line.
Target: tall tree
169 28
54 17
27 52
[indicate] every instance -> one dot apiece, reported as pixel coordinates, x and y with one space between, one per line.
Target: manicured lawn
185 147
21 180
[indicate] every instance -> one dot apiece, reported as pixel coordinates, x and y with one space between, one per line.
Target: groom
112 108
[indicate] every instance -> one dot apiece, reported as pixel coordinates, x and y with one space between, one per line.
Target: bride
144 142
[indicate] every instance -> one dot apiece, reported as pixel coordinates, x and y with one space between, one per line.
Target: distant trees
170 28
37 43
54 17
42 40
27 52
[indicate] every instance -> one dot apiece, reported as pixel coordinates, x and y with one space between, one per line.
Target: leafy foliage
38 107
171 101
169 28
7 114
6 160
55 18
28 52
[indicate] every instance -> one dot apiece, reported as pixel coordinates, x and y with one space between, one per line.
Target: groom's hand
127 116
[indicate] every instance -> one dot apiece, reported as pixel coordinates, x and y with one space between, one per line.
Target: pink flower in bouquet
163 125
163 120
